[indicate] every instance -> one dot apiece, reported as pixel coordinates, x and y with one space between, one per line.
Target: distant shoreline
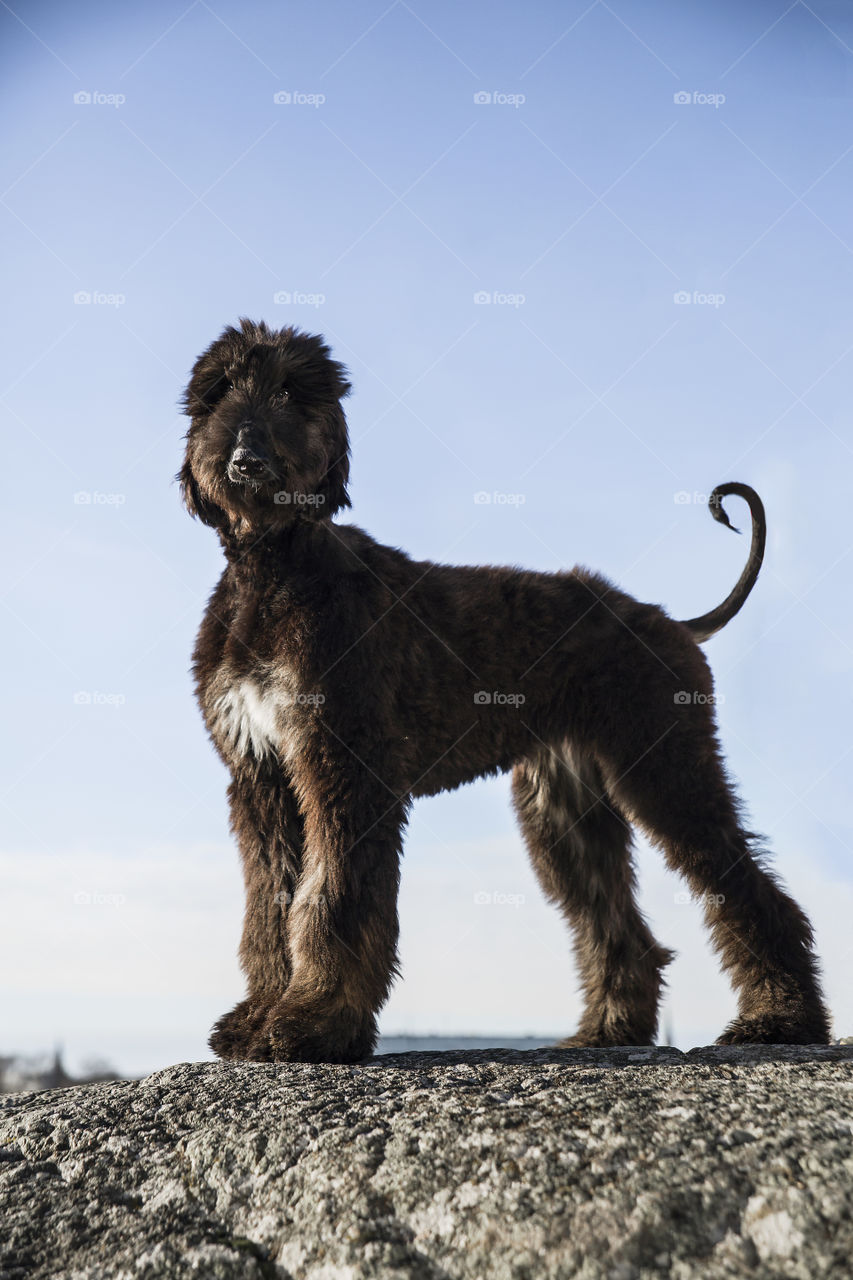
404 1043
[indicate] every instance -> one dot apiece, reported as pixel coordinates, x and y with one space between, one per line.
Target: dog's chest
259 715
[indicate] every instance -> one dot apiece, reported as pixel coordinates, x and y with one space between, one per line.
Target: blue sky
583 199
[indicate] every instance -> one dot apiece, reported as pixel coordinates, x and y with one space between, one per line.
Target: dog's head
268 439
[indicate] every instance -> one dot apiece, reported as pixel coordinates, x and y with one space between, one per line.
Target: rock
499 1165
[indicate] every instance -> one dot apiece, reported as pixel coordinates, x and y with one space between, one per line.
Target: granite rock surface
497 1165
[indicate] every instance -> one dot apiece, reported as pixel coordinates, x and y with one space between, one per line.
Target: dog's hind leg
266 822
671 781
580 847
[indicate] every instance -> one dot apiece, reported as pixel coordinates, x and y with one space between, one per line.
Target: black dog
339 680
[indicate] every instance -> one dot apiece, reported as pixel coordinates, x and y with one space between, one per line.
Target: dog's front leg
342 924
267 824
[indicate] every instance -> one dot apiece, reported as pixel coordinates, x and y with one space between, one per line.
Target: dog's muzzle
248 466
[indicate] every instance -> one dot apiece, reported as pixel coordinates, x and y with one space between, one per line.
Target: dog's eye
219 389
283 391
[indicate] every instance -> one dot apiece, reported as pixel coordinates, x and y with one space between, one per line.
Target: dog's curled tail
710 623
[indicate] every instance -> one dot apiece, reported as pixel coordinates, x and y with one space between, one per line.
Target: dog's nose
247 462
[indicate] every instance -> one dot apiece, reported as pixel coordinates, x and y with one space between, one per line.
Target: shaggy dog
339 680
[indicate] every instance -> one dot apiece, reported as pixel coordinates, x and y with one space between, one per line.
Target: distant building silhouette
20 1074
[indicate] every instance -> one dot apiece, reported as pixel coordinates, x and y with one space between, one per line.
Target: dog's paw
301 1032
609 1033
614 1039
772 1028
235 1033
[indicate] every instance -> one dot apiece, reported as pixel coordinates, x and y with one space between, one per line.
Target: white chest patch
247 718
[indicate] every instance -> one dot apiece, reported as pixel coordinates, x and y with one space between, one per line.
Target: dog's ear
206 387
207 512
333 486
209 378
339 377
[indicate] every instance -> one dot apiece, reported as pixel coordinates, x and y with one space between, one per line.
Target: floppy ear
207 512
209 380
334 483
206 386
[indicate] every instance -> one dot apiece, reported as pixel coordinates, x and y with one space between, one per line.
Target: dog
339 680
